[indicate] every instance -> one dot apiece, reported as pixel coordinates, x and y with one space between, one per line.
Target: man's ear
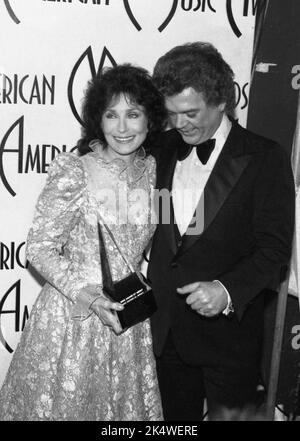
221 107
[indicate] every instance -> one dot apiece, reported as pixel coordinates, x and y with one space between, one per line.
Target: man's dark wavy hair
132 81
198 65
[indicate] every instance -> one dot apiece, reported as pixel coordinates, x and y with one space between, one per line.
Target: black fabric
184 387
181 386
204 150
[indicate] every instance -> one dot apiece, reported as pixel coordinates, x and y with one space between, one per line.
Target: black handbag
133 291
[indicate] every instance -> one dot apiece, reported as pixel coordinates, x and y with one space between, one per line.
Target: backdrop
49 50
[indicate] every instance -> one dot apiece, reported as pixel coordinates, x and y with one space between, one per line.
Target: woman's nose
122 125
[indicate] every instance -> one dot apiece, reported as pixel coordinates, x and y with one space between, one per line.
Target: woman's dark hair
200 66
136 84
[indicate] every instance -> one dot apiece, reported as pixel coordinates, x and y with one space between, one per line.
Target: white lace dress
66 369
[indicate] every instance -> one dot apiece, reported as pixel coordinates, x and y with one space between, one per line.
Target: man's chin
192 140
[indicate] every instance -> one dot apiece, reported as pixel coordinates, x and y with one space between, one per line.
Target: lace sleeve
57 212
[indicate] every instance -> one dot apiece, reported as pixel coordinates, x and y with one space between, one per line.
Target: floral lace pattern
65 369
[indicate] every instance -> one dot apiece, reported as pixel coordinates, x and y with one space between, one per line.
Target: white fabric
191 176
229 307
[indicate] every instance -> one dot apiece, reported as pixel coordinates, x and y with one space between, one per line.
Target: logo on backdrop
241 95
186 5
162 26
20 315
11 12
246 12
194 6
87 57
84 2
15 89
13 16
12 255
28 158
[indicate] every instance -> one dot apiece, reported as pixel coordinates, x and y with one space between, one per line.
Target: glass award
133 291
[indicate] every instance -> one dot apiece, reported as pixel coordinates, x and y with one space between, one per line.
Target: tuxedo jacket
246 241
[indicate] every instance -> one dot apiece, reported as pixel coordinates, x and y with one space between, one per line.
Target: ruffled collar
131 172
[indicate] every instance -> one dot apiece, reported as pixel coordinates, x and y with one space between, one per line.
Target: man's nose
180 121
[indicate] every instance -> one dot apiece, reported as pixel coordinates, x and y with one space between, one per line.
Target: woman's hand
106 309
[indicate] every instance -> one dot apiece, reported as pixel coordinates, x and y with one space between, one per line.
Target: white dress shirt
191 176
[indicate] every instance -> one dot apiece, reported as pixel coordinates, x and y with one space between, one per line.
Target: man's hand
207 298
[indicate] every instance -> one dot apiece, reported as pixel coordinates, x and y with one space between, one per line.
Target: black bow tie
203 150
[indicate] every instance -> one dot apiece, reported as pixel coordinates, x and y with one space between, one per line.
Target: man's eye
191 115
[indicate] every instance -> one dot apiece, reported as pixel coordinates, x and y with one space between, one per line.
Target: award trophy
133 291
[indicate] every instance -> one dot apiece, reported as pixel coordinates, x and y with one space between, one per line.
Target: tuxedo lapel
223 179
165 171
228 169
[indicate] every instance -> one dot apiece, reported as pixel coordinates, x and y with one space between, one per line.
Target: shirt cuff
229 308
85 298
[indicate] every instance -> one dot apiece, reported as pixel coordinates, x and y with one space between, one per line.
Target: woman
73 362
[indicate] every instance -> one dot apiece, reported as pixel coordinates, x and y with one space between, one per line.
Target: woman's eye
109 115
191 115
133 115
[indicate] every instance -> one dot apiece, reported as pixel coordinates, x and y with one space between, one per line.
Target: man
209 276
